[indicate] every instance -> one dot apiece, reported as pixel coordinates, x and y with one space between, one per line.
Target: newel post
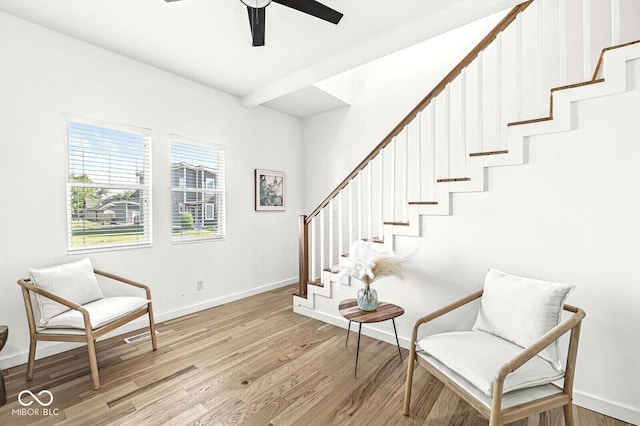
303 254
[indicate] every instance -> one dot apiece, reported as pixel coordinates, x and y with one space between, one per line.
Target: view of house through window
108 185
197 190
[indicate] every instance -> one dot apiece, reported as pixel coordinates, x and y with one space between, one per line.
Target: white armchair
72 307
506 365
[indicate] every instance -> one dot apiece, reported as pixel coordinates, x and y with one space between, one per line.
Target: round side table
4 333
385 311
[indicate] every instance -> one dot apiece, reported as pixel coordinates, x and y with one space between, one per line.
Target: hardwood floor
251 362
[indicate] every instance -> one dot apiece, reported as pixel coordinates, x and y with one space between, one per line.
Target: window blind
197 190
108 186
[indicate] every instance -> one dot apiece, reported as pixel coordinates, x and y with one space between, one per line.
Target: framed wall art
270 190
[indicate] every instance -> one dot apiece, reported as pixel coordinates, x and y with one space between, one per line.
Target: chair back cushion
73 281
521 310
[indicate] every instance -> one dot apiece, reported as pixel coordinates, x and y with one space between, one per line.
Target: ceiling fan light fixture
256 4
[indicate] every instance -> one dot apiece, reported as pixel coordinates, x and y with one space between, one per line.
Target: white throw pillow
73 281
521 310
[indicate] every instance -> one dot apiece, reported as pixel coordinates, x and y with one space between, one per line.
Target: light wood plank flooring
251 362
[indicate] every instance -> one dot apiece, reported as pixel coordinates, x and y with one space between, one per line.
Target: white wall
43 75
569 214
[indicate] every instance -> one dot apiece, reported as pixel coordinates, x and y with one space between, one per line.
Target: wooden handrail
465 62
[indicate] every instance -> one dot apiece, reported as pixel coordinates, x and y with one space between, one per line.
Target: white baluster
351 224
456 154
586 39
418 127
405 176
313 270
541 95
331 233
369 199
562 41
480 102
463 116
499 124
447 129
340 224
616 27
392 181
381 194
359 194
322 240
432 149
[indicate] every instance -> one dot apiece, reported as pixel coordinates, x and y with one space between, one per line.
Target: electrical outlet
200 285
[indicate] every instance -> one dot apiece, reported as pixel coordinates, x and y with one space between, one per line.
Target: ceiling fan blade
256 21
313 8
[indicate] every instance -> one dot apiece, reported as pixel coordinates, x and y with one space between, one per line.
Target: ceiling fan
257 14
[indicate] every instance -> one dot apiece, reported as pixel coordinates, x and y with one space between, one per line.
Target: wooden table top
385 311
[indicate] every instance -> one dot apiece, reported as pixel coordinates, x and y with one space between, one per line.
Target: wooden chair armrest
442 311
545 340
26 283
125 281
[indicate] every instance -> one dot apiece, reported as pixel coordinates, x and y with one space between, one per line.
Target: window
197 190
108 185
208 211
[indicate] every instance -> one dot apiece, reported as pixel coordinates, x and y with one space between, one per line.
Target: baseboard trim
607 407
46 349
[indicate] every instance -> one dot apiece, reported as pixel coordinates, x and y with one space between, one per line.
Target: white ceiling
209 41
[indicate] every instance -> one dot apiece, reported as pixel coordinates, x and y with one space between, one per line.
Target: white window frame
142 184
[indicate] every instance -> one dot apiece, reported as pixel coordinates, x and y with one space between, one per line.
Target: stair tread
317 283
533 120
483 153
462 179
377 240
574 85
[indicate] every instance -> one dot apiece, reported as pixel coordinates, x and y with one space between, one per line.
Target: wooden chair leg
93 363
32 358
568 414
407 390
152 328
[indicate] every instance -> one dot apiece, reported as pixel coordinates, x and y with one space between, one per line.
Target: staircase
519 81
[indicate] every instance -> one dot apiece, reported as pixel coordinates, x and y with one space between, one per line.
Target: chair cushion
477 356
521 310
73 281
101 312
